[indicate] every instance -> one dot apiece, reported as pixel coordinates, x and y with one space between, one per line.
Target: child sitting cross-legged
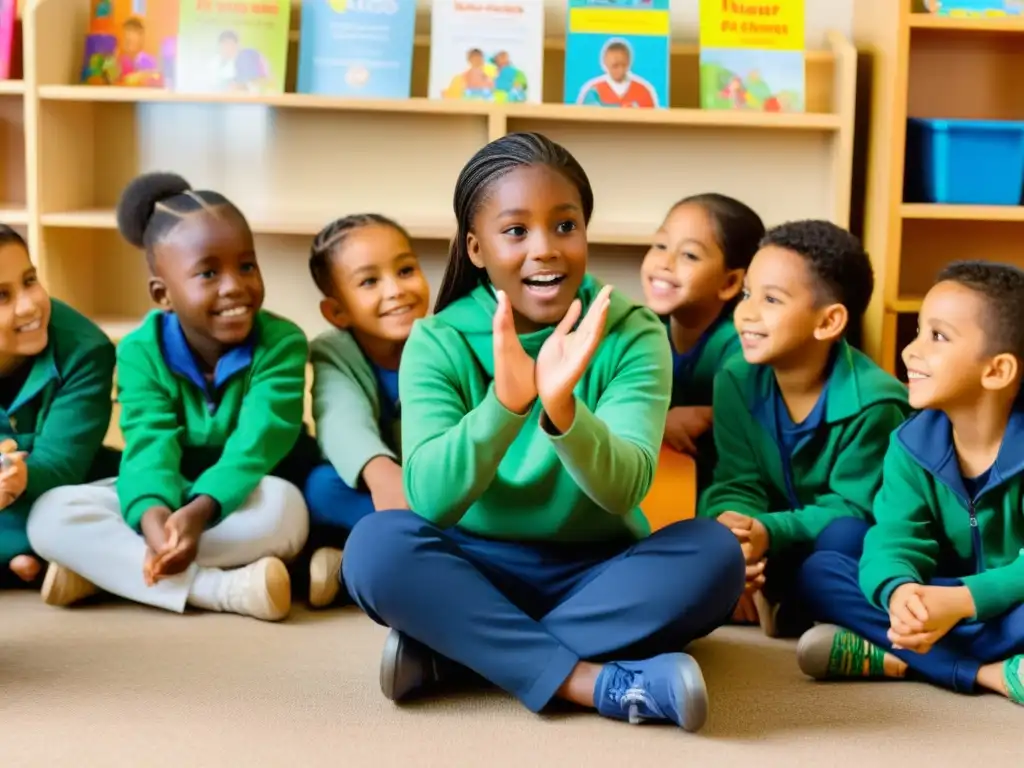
939 591
374 290
211 392
802 421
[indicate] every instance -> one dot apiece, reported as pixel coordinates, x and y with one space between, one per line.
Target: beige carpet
120 685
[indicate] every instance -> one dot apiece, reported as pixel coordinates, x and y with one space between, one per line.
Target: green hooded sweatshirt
469 461
834 469
927 525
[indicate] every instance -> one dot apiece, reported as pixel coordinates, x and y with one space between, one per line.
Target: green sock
846 658
1011 675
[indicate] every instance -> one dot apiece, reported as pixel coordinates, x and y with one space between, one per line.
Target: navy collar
928 437
182 360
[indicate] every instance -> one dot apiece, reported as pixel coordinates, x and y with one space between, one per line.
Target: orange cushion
673 495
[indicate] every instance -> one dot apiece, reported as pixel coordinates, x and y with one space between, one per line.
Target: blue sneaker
669 687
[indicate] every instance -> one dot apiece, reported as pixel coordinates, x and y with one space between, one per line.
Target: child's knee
845 535
288 518
379 542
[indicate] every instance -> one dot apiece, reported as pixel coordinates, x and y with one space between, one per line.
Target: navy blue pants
828 581
522 615
334 508
844 535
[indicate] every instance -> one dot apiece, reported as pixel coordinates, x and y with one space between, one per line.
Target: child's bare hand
383 477
183 530
152 526
907 613
750 531
13 478
943 609
684 425
745 611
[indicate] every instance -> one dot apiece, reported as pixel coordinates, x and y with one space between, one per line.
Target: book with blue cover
358 48
617 53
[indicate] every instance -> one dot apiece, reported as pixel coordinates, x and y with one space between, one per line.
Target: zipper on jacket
979 559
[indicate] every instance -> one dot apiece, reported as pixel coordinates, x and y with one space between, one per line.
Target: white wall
822 15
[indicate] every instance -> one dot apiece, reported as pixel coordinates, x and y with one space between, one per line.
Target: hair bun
139 199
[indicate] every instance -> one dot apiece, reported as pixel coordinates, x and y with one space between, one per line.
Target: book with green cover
232 46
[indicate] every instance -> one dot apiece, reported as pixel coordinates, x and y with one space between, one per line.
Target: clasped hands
754 541
14 476
920 616
563 358
172 538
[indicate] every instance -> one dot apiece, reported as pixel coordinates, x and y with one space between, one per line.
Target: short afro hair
153 204
1001 287
836 259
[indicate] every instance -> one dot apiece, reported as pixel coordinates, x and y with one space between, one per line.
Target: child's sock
261 590
829 652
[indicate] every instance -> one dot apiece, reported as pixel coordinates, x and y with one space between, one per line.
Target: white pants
81 527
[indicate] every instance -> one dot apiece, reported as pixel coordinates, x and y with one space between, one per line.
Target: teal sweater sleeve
612 451
996 590
445 444
75 426
150 474
269 423
902 546
738 485
853 481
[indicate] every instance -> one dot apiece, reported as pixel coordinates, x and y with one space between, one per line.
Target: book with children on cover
752 55
357 48
617 53
488 51
131 43
238 46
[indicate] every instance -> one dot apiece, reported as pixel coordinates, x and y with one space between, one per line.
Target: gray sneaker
407 667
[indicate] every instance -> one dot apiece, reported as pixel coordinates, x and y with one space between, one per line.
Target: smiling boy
803 420
941 581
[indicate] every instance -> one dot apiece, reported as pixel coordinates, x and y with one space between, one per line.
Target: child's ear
1001 372
732 285
158 293
334 313
473 247
832 323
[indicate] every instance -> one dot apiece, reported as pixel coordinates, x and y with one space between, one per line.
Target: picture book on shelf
488 51
976 8
357 48
232 46
8 18
131 43
618 53
752 55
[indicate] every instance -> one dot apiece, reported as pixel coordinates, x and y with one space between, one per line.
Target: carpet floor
120 685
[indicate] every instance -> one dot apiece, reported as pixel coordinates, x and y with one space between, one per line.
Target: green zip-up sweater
927 526
185 437
62 412
693 380
352 427
469 461
835 470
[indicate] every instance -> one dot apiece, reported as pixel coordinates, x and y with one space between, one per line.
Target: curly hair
836 259
1001 287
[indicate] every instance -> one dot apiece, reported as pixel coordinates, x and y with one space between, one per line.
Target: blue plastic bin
965 162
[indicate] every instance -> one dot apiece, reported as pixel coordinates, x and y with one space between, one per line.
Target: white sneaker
324 576
63 587
262 590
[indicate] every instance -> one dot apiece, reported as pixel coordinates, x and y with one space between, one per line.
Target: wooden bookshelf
928 66
293 162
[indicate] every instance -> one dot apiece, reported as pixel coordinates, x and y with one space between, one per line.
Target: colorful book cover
976 8
357 48
618 53
232 46
752 55
8 17
131 43
487 51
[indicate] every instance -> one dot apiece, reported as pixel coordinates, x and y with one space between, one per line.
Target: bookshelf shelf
16 87
292 162
929 67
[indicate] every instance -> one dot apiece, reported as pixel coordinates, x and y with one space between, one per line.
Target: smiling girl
534 402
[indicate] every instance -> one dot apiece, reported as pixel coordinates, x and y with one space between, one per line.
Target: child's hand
182 530
514 382
566 355
13 478
943 608
745 611
907 614
751 532
684 425
383 478
152 526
